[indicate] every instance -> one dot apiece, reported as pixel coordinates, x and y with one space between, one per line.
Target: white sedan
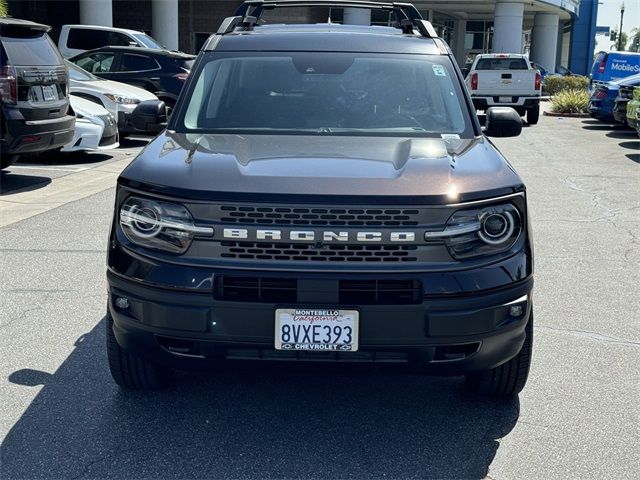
96 128
118 98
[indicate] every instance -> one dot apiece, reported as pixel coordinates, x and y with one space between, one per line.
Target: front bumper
444 334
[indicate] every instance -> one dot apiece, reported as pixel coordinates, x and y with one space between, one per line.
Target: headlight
480 232
121 99
159 225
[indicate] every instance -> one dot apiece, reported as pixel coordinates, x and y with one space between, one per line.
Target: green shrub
570 101
555 84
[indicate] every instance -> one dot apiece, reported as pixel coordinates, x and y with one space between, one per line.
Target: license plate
316 329
504 99
49 93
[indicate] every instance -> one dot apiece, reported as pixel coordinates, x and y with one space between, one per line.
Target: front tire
508 378
533 115
130 371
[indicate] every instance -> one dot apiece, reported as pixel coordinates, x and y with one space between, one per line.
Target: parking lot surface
61 415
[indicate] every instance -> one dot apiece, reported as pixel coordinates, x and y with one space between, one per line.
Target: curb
572 115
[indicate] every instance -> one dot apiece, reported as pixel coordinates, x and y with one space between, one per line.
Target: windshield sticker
450 136
439 71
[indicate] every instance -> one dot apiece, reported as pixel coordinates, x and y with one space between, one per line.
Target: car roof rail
408 18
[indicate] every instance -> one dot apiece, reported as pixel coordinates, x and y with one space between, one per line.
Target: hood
86 107
203 166
117 88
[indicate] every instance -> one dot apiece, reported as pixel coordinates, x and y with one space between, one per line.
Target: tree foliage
634 45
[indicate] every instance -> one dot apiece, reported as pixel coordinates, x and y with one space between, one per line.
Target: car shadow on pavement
632 145
12 182
622 133
134 142
262 422
64 158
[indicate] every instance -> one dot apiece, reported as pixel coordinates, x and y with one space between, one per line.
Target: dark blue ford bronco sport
323 193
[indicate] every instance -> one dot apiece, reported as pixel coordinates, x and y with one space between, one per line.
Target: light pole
620 31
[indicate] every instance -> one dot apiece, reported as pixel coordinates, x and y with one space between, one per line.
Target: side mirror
149 116
503 122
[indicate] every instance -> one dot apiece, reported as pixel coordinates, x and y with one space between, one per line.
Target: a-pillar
544 40
507 27
357 16
96 12
164 18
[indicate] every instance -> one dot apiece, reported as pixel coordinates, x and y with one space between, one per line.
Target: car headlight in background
159 225
122 100
480 232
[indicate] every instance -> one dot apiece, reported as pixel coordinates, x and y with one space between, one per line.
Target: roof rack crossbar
408 18
256 7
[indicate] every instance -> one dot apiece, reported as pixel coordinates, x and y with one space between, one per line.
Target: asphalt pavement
61 415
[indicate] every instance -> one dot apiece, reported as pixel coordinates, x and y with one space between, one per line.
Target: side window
96 62
118 39
86 39
138 63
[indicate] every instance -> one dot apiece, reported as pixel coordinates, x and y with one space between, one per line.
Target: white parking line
52 169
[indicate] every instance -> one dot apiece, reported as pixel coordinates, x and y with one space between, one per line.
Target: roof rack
407 15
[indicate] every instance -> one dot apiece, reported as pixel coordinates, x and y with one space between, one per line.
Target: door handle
154 78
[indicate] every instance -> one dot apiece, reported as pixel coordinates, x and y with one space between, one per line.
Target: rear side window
502 64
86 39
117 39
138 63
96 62
32 49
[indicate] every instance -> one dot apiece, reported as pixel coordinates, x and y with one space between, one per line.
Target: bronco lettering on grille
325 235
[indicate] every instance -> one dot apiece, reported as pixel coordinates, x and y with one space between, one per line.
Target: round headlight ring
142 228
492 238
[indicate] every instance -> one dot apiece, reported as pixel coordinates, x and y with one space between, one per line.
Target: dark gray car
323 193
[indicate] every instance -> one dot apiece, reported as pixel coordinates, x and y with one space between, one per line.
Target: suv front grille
310 252
285 290
350 217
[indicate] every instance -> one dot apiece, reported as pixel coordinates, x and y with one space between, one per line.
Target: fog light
122 302
516 310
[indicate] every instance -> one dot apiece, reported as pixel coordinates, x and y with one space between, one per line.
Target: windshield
327 93
79 74
147 41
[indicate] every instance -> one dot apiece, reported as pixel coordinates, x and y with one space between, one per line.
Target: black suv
161 72
323 193
34 92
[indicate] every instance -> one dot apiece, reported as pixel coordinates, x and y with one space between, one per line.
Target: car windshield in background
328 94
80 74
34 49
502 64
147 41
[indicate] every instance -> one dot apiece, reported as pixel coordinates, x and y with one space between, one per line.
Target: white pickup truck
506 80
